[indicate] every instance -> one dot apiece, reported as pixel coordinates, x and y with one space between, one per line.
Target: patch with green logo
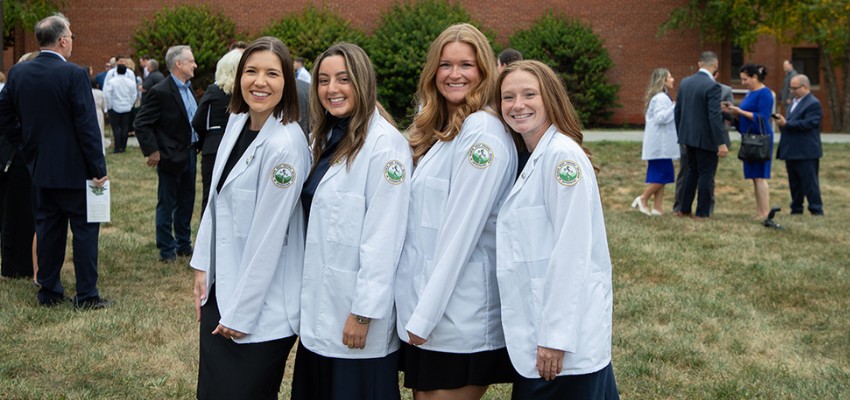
283 175
394 172
568 173
480 155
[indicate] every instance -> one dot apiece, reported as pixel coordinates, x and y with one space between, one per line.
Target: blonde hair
225 70
365 99
433 121
556 102
656 85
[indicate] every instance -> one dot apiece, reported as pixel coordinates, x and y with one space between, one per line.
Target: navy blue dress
760 103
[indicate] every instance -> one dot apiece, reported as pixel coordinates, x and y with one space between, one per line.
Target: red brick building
104 28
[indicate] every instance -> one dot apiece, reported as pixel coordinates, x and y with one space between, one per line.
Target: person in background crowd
120 93
554 267
163 128
101 108
211 117
250 250
660 145
508 56
800 146
154 77
48 108
466 162
301 73
356 201
753 116
786 96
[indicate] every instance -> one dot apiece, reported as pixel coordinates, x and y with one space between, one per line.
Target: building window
737 62
807 61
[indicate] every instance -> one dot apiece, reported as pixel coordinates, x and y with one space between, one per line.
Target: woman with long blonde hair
660 142
446 293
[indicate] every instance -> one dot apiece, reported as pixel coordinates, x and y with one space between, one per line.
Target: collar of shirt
710 75
53 52
188 102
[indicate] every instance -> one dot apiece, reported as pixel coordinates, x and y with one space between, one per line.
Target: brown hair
433 121
363 80
556 102
287 110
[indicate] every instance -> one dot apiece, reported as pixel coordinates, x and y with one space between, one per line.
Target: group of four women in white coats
487 280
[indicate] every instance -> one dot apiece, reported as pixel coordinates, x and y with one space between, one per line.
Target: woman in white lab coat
554 269
250 247
356 200
446 292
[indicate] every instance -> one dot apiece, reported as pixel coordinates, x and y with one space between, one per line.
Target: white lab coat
446 288
554 268
251 238
354 237
659 136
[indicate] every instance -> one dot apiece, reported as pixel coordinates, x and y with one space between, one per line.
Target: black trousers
207 163
16 220
699 179
803 182
231 371
54 209
120 123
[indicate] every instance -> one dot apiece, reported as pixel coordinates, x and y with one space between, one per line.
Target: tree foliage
822 22
314 30
208 33
25 13
578 56
399 46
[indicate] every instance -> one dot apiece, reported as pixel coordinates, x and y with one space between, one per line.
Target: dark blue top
760 103
312 183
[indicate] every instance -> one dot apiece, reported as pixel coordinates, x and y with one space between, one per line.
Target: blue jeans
174 206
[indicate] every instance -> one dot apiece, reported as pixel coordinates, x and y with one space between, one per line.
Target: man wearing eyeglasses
48 108
800 145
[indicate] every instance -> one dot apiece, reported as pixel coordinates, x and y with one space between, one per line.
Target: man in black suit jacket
699 125
800 146
165 134
154 77
47 106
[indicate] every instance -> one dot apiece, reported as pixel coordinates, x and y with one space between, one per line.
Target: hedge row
397 47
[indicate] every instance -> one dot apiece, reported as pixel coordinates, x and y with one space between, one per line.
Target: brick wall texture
104 28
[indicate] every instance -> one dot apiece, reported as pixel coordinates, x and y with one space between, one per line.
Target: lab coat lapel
532 161
428 156
244 162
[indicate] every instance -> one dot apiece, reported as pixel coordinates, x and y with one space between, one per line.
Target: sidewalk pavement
599 135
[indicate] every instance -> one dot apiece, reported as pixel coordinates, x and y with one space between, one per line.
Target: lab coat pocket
533 235
537 300
242 206
596 326
434 202
335 303
347 219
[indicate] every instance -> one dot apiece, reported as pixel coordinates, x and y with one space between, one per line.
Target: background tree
314 30
822 22
578 56
208 33
24 14
399 46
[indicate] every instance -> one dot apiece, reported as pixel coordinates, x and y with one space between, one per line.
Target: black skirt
317 377
434 370
228 370
599 385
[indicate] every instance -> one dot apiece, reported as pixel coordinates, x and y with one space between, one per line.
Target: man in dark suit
47 107
800 146
165 134
154 77
699 125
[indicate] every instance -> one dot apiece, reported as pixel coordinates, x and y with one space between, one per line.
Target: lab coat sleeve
266 238
569 268
472 196
384 227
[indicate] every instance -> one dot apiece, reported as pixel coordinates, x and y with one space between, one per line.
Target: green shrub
310 33
208 34
578 56
399 46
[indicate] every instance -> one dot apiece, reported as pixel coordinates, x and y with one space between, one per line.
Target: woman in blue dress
753 116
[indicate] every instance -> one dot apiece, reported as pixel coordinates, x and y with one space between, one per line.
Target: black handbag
755 147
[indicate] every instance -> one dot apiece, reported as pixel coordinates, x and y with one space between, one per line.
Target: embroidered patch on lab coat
568 173
283 175
394 172
480 155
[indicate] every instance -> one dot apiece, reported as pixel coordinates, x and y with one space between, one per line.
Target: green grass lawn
721 309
